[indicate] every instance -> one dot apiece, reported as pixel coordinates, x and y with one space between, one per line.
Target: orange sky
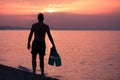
71 6
61 14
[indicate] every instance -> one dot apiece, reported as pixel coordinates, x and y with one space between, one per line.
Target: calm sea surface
86 55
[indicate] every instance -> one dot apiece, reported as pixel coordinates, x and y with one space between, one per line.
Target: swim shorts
38 47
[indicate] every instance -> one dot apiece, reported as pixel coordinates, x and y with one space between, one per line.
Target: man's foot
43 74
34 72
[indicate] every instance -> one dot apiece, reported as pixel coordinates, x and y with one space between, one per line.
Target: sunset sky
79 12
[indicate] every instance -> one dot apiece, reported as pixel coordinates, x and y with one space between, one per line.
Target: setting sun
50 10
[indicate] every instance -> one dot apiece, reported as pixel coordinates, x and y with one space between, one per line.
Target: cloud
78 21
65 21
93 6
72 6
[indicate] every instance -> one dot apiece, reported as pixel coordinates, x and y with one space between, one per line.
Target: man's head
40 17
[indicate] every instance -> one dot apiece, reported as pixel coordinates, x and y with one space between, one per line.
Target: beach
9 73
85 55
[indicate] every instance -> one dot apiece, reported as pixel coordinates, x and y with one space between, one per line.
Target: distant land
13 28
53 28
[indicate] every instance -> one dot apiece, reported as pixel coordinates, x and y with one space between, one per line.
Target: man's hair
40 17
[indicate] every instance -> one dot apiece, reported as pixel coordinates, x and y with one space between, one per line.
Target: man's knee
41 59
34 57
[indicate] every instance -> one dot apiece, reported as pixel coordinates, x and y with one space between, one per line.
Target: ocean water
85 54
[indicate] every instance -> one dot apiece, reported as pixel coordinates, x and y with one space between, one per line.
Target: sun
50 11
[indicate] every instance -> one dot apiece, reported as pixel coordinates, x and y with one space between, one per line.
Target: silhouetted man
39 30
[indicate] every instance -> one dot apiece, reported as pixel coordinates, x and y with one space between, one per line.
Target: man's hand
54 47
28 46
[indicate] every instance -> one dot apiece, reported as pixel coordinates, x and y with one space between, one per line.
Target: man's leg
34 63
41 64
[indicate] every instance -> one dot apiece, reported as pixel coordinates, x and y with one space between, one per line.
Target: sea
85 54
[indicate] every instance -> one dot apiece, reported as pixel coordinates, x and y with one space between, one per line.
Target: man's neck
40 21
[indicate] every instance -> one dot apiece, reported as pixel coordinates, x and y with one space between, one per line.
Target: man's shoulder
34 24
45 25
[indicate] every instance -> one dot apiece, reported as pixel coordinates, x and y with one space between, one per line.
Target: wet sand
10 73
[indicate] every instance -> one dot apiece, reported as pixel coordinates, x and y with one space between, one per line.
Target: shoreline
10 73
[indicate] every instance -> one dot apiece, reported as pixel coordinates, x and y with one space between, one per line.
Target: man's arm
29 39
50 38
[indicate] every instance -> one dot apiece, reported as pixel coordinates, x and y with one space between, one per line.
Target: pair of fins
54 58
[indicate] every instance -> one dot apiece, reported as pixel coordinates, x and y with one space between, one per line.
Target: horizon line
82 28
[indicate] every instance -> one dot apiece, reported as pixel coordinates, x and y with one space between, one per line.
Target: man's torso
40 30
